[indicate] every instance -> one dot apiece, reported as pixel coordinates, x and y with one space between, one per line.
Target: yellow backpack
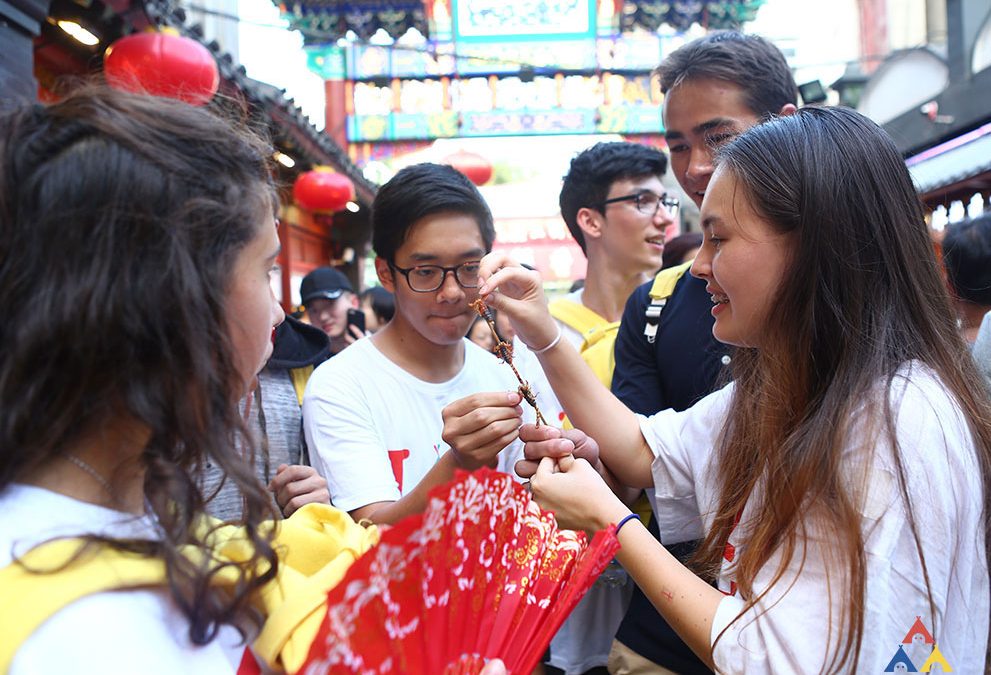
316 546
597 349
598 335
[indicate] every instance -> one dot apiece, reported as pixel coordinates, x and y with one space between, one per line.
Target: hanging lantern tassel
323 190
475 167
162 63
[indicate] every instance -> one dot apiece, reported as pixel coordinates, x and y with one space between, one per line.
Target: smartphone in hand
356 317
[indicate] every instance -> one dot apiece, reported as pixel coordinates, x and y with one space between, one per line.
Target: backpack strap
599 354
576 315
78 569
660 291
598 335
316 546
300 376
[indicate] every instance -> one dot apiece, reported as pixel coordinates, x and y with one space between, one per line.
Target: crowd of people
786 417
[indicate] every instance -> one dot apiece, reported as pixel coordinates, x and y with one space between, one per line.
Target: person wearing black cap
327 295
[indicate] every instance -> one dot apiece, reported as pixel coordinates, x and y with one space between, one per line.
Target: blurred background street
509 91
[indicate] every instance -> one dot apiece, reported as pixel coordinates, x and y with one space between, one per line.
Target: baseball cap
323 282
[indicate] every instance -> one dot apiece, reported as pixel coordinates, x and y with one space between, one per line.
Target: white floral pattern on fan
483 573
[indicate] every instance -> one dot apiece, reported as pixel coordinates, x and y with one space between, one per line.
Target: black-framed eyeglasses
428 278
648 203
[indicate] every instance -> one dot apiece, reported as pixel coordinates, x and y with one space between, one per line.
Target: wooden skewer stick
504 350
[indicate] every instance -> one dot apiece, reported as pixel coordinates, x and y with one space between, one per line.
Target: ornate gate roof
327 20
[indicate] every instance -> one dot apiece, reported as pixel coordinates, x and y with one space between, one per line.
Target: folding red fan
483 573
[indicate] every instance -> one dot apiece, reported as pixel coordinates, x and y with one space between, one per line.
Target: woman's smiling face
742 260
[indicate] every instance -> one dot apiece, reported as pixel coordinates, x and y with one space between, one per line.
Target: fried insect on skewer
504 351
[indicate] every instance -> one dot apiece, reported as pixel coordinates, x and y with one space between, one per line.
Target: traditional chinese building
402 75
44 41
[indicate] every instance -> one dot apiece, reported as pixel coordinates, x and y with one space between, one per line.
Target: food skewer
504 351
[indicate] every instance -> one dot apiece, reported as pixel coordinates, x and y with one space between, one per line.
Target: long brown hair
121 217
861 298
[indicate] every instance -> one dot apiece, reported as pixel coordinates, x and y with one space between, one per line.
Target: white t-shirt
584 640
130 631
786 631
374 430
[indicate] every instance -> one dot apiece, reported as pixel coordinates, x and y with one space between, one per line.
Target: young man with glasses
396 414
617 209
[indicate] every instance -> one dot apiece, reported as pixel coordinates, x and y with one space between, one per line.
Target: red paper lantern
163 64
323 190
475 167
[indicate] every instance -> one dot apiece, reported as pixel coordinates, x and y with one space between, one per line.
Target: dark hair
860 298
676 249
477 321
746 61
494 315
121 218
422 190
383 304
967 255
593 171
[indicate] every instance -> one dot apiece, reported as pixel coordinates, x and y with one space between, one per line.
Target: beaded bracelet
625 520
552 345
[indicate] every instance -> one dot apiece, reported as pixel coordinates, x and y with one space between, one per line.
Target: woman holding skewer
840 484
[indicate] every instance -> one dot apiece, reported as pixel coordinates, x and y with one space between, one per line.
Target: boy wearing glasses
396 414
617 209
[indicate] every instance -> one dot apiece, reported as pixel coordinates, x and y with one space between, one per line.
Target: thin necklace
91 471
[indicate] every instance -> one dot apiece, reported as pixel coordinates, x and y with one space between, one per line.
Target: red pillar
336 119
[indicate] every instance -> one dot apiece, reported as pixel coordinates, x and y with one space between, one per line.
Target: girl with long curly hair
136 240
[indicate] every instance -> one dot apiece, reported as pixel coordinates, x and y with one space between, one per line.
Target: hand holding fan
483 573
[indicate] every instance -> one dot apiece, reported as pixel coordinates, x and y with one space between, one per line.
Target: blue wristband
625 520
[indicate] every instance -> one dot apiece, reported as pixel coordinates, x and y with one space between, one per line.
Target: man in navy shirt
715 88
